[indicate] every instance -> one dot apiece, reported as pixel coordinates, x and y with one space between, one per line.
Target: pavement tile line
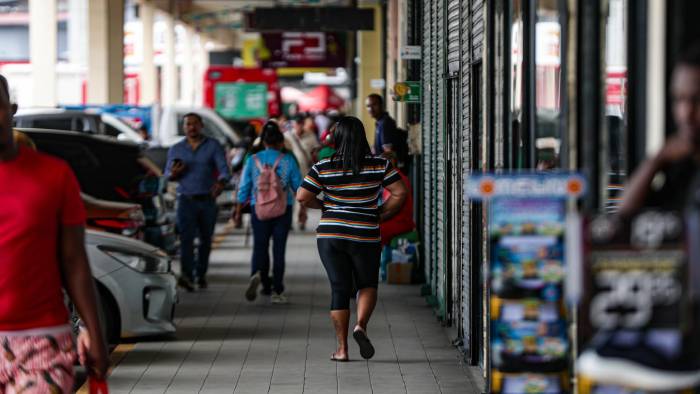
308 331
226 230
194 342
229 329
250 345
393 344
230 345
427 356
279 342
122 350
197 338
127 353
165 344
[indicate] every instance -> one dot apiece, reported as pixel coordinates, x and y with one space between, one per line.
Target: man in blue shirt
198 163
386 136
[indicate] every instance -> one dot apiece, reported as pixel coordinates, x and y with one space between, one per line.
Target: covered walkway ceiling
212 16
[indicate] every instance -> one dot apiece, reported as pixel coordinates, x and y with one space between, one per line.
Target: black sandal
366 348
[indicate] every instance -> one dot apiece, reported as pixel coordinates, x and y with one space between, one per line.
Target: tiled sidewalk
225 344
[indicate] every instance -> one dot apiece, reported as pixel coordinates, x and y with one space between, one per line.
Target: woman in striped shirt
348 234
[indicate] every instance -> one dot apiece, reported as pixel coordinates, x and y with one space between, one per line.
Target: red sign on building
293 49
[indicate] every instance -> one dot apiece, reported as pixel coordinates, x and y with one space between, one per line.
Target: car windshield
115 127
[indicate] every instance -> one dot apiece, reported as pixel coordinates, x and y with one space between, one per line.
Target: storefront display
530 348
638 307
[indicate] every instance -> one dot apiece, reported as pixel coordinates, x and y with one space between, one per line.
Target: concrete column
105 82
188 71
170 79
200 67
148 74
392 56
401 72
369 53
656 71
77 27
43 51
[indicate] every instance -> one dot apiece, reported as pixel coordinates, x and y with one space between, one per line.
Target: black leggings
344 260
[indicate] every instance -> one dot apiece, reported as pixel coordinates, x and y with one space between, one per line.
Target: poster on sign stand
638 325
529 346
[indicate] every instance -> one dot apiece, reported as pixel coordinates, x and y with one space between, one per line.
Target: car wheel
109 317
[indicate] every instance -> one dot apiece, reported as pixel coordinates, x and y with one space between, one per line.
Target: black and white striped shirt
350 202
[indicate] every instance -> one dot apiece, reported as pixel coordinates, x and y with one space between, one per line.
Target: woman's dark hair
271 134
351 144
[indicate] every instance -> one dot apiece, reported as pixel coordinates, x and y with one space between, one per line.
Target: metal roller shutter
453 36
466 146
440 135
453 193
434 133
477 29
426 120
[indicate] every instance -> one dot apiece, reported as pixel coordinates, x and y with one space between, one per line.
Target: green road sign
241 100
408 91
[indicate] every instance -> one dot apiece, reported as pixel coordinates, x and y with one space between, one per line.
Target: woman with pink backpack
269 181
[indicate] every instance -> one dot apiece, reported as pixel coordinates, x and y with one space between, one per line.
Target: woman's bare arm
308 199
393 205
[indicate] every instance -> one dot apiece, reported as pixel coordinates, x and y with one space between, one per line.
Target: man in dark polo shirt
198 163
668 181
386 136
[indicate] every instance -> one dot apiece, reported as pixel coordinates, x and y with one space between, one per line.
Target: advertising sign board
636 304
241 100
410 52
307 50
408 92
530 347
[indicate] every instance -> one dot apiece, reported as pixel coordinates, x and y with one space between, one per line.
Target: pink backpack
270 198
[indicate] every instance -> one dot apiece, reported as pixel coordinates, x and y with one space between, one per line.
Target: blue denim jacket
287 170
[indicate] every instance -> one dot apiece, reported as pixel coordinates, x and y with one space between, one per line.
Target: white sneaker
278 298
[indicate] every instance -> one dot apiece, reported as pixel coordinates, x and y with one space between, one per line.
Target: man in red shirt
42 250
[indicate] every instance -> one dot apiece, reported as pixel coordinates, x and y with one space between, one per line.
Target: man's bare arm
80 286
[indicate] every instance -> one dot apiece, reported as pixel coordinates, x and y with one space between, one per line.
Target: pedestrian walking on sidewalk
270 179
42 235
348 233
198 163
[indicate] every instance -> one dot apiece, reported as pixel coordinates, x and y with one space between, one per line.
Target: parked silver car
136 286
